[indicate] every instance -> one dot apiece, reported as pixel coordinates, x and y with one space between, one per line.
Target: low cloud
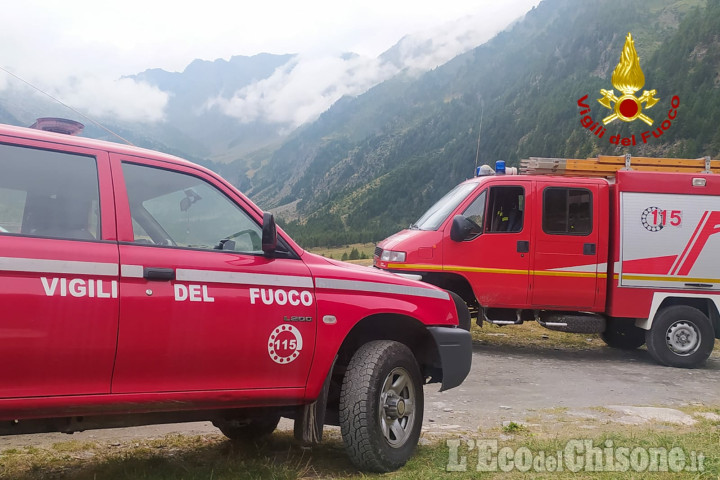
299 91
86 76
99 98
120 99
427 50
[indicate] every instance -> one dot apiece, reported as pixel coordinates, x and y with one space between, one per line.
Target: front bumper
455 348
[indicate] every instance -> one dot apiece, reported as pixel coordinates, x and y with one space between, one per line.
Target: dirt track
512 384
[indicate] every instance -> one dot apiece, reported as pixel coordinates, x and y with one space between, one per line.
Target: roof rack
606 165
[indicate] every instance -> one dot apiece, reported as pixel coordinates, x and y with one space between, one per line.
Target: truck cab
512 242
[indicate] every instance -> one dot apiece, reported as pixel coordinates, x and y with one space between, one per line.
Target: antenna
67 106
477 152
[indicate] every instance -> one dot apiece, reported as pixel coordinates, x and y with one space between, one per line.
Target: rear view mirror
191 197
463 229
269 234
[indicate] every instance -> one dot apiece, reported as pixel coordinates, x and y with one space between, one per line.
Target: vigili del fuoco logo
628 78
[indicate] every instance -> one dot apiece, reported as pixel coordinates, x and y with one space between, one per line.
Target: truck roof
63 139
554 178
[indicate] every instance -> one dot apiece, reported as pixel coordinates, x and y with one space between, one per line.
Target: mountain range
400 130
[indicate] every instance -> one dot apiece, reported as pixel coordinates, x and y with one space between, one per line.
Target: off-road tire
623 334
367 389
248 429
681 336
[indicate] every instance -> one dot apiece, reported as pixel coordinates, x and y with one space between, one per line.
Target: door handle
589 249
155 273
523 246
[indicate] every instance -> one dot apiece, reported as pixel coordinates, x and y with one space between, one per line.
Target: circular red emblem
629 108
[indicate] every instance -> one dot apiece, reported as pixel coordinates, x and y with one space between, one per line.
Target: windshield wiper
414 226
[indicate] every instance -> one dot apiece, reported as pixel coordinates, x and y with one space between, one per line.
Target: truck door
58 272
201 307
565 246
496 261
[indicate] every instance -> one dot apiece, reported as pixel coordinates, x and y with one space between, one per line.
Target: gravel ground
516 384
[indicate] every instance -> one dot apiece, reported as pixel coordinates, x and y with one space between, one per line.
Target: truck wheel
681 336
248 429
381 406
623 334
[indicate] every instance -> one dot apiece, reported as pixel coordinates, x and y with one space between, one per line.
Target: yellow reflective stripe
556 273
405 266
507 271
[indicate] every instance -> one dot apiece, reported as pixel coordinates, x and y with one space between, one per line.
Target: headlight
390 256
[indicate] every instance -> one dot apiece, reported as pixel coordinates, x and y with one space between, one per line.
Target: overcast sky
78 49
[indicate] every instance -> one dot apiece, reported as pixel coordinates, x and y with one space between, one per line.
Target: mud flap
310 419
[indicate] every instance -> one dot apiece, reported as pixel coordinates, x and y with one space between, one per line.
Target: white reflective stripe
131 271
69 267
590 268
214 276
355 285
409 276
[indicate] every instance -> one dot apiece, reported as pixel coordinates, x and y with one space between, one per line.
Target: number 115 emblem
655 219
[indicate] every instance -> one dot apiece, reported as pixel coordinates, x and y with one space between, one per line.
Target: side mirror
463 229
269 234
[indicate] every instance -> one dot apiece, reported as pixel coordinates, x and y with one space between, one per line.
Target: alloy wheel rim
397 407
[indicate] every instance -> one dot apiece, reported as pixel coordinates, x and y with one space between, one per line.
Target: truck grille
378 251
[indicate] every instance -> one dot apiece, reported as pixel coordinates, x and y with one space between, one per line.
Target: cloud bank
80 51
301 90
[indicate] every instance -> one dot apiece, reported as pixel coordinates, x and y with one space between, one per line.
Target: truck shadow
208 456
595 354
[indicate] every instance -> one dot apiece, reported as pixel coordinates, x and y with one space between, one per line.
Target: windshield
436 215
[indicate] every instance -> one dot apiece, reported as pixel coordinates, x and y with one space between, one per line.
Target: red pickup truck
140 288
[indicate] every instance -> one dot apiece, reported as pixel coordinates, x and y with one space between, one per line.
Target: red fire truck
621 246
138 288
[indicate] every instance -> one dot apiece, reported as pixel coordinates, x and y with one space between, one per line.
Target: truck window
567 211
506 207
175 209
436 215
476 211
48 194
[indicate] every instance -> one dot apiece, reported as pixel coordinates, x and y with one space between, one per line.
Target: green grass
337 252
279 457
532 334
513 427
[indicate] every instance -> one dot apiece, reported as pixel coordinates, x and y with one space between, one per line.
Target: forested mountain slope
370 165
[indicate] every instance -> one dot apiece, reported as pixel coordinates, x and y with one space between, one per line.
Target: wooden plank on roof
606 166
